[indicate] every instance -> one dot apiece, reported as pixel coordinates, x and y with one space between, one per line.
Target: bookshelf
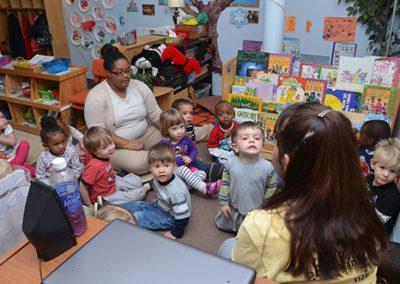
26 103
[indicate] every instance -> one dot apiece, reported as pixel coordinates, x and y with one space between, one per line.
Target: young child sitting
370 133
55 142
174 132
219 143
171 210
239 195
98 178
386 166
12 151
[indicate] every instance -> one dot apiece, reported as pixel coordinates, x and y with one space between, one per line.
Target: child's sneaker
212 188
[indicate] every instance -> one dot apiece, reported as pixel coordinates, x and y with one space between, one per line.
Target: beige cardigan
100 112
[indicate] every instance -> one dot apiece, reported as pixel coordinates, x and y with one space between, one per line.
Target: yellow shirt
263 243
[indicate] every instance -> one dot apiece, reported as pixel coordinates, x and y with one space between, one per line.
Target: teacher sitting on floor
128 109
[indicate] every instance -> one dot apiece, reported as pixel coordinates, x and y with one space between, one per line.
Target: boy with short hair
171 211
239 195
370 134
386 166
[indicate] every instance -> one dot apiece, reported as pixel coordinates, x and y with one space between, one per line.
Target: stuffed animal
148 59
176 57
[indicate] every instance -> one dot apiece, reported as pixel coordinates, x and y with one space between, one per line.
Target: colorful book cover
342 100
386 72
268 124
378 100
250 60
329 74
280 64
354 73
246 108
314 90
240 80
263 90
290 90
291 45
243 90
310 70
262 76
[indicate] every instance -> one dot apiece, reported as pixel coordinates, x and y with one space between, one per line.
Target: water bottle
62 179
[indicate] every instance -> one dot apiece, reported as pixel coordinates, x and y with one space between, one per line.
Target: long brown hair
328 209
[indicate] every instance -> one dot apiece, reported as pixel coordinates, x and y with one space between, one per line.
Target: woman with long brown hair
321 224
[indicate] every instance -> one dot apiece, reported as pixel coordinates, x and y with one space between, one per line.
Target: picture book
386 72
354 73
243 90
342 49
310 70
314 90
290 90
329 74
342 100
263 90
378 100
246 108
240 80
291 45
250 60
268 124
280 64
373 116
262 76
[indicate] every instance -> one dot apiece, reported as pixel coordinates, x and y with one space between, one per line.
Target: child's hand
81 144
169 235
187 160
226 211
82 155
134 145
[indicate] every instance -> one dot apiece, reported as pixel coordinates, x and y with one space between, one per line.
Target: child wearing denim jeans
171 211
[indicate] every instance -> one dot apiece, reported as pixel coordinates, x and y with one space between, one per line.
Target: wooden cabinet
24 93
131 50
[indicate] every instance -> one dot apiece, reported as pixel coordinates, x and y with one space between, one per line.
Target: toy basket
21 64
57 65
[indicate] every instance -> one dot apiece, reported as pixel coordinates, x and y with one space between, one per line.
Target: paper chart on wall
290 24
339 29
342 49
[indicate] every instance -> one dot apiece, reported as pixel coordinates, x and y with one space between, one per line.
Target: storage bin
193 32
202 90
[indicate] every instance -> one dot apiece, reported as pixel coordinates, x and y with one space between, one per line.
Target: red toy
88 26
178 58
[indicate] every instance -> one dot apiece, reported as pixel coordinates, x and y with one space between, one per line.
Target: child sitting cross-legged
171 210
219 144
174 132
386 166
247 179
98 178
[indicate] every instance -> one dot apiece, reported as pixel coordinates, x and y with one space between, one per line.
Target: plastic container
202 90
67 189
57 65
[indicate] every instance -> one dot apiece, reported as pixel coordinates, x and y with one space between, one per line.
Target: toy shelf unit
32 95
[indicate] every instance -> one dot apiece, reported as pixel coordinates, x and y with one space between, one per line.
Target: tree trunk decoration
213 9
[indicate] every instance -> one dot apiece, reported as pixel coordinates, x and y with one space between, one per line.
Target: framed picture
148 10
246 3
342 49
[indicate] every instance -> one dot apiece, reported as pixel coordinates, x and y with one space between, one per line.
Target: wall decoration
252 45
110 25
121 20
253 17
308 26
75 19
148 10
108 4
76 37
99 34
339 29
88 23
131 6
98 12
70 2
290 24
96 51
84 5
342 49
239 17
246 3
87 41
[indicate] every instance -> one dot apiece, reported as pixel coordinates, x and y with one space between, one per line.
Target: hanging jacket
17 44
27 39
40 31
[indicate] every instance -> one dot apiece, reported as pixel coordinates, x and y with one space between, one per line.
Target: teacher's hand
134 145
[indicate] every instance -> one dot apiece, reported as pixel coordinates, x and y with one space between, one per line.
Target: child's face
162 171
225 114
57 143
364 140
382 173
177 132
187 112
3 121
105 152
249 141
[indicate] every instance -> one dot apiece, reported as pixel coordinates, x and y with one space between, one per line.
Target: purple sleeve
179 160
192 152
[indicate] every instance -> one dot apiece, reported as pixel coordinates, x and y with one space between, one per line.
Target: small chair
78 100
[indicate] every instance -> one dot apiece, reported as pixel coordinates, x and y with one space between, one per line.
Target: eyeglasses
121 73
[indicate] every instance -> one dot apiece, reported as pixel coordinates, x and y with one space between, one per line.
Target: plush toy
148 59
178 58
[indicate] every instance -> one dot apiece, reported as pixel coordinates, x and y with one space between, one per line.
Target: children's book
291 45
268 124
378 100
246 108
373 116
262 76
354 73
280 64
263 90
329 74
290 90
314 90
386 72
310 70
343 100
240 80
250 60
243 90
